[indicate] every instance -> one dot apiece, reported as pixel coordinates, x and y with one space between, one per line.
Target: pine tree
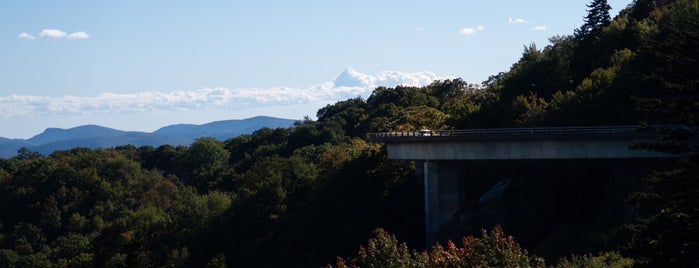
597 17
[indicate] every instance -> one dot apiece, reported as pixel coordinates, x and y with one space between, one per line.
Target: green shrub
605 259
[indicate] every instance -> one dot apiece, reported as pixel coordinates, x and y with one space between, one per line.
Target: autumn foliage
492 249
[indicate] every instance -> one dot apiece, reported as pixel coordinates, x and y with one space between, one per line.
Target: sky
141 65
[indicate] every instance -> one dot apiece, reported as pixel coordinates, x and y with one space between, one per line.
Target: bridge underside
462 195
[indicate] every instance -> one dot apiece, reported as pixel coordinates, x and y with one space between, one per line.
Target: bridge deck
519 143
513 133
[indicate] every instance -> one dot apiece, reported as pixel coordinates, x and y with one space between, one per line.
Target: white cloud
26 36
352 78
540 28
56 33
418 29
517 20
349 84
468 31
52 33
471 30
79 35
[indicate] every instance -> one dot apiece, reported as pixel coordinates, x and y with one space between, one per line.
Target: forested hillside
300 196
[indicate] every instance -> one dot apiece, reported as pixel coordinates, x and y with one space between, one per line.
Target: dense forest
302 196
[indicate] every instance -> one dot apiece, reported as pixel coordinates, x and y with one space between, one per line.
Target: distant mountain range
93 136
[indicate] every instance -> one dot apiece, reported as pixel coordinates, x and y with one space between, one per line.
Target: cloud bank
348 84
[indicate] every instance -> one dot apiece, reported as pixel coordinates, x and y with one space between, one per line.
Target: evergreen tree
597 17
667 232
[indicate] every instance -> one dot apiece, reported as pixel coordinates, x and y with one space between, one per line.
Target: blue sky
141 65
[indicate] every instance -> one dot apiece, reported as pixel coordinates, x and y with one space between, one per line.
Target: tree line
300 196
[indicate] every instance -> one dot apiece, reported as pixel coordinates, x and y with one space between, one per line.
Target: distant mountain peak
84 131
225 128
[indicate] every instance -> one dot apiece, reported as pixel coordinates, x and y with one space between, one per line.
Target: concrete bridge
432 149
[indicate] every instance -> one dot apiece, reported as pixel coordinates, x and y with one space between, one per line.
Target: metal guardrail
482 132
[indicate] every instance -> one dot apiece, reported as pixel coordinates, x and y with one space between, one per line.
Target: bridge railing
586 130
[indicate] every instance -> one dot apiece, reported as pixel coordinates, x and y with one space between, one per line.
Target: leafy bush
605 259
492 249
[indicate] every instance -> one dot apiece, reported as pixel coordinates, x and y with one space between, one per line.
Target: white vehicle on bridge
424 133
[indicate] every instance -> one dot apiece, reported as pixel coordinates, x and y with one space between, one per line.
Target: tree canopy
303 195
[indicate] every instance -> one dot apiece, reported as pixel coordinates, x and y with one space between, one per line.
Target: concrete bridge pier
441 193
436 156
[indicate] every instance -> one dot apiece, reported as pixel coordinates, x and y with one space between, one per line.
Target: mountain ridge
84 131
95 136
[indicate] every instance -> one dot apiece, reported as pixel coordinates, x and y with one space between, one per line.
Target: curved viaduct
431 149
